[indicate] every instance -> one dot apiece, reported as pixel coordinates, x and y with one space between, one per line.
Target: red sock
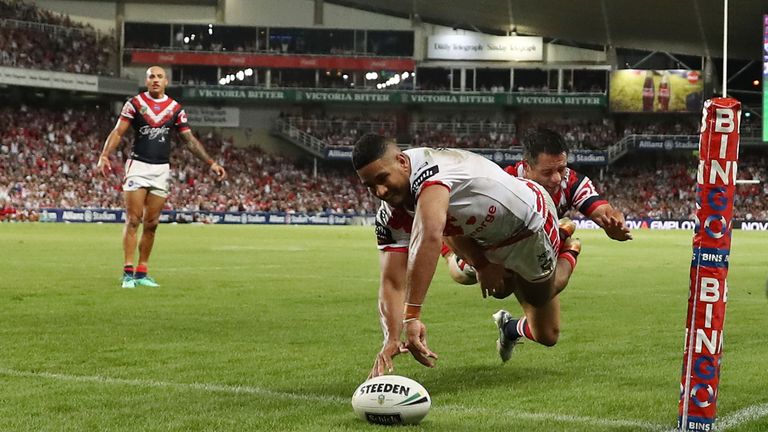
568 256
141 271
523 328
445 250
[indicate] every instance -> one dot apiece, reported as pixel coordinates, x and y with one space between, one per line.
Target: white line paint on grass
213 388
736 419
742 416
335 400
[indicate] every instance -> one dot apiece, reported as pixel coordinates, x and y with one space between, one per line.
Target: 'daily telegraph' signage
485 47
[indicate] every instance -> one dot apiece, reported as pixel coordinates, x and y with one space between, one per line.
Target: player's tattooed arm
194 146
198 150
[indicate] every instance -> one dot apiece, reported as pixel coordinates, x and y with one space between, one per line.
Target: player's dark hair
368 148
545 141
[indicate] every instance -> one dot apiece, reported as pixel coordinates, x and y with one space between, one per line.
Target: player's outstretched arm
391 301
198 150
110 145
612 222
423 254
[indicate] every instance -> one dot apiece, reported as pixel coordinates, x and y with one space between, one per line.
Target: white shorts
155 177
534 258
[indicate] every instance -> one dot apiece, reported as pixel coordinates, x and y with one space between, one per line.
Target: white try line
742 416
738 418
211 388
328 399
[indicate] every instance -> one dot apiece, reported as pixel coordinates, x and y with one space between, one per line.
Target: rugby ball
391 400
461 271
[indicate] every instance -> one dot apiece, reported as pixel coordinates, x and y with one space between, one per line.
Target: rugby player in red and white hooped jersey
545 161
153 116
504 226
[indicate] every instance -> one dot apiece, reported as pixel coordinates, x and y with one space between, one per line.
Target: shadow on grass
451 380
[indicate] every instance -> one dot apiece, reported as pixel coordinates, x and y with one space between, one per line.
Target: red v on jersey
155 112
156 105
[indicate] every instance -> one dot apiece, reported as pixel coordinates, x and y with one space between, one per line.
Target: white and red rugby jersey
485 203
574 191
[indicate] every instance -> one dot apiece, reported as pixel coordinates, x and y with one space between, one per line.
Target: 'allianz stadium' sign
656 142
500 156
282 218
242 218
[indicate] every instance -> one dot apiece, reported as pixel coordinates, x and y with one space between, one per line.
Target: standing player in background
153 115
545 161
505 226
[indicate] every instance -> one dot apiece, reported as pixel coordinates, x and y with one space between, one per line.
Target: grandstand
306 94
278 92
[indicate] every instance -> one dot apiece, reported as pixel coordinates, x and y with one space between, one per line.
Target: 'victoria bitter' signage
394 97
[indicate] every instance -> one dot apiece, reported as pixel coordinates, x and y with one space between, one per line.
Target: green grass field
265 328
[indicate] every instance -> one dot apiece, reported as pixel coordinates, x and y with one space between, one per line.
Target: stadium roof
691 27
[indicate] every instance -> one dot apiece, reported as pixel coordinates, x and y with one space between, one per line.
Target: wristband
210 162
412 312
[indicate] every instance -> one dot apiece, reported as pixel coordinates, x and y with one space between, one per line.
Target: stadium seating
666 190
49 163
342 131
47 156
47 159
34 38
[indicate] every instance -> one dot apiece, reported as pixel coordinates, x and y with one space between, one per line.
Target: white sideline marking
213 388
738 418
223 388
745 415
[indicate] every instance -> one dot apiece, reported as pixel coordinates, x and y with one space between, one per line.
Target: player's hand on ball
491 279
383 362
416 343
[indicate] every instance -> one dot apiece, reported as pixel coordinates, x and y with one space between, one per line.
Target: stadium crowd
667 191
24 11
47 160
35 38
578 133
341 131
458 132
686 126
